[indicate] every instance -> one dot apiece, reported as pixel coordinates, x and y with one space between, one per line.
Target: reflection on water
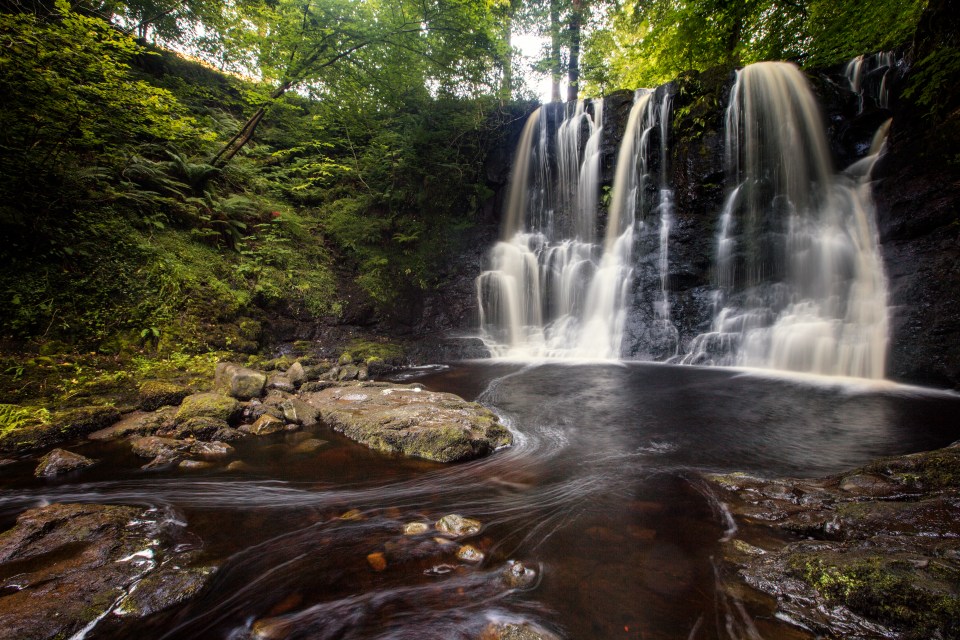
597 496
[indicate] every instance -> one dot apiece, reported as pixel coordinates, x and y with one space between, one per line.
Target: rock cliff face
916 189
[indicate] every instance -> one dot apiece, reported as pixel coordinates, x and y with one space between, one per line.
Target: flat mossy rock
208 405
63 426
64 566
409 420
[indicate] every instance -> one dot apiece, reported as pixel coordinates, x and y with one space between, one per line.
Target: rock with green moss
158 393
240 382
872 553
409 420
208 405
61 426
73 562
137 423
199 428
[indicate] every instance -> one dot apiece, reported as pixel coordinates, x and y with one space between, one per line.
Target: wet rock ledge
872 553
65 567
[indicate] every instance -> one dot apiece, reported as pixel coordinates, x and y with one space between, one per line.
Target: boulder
299 412
59 462
297 374
408 420
66 566
153 446
208 405
137 423
211 451
199 427
158 393
265 425
239 382
281 382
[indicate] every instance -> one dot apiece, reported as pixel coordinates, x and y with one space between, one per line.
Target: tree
298 43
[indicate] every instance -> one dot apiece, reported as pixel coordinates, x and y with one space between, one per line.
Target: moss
370 351
157 393
931 470
208 405
894 592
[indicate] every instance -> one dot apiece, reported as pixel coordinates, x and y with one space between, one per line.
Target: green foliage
648 43
934 77
16 417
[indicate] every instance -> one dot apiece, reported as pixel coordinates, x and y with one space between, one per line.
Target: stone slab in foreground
409 420
871 553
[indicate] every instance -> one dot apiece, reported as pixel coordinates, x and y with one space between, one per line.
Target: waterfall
533 298
868 77
800 282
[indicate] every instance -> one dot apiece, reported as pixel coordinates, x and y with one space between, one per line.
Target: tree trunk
246 132
506 61
573 68
556 65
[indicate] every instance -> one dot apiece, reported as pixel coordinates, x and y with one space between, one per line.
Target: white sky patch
530 48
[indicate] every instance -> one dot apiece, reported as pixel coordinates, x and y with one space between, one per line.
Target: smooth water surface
600 495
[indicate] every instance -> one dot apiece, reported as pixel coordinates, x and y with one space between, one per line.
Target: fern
16 417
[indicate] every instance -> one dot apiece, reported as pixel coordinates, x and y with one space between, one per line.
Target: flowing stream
600 496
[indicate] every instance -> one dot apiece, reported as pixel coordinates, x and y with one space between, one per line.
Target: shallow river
600 495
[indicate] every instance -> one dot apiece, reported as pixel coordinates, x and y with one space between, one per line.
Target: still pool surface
600 496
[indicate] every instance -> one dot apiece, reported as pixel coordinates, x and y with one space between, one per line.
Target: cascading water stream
536 299
863 72
800 279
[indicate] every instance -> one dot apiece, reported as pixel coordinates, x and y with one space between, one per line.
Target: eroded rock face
409 420
66 565
873 553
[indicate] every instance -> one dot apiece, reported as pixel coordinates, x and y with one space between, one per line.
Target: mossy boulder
208 405
409 420
237 381
158 393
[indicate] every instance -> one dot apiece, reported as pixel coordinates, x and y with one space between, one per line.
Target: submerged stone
458 526
469 553
408 420
415 528
265 425
515 631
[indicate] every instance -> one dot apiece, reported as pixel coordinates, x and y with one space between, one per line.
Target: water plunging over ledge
800 281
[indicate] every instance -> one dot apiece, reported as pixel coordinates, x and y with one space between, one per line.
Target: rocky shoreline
871 553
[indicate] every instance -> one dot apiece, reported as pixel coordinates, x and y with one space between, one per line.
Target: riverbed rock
208 405
458 526
238 381
153 446
299 412
62 426
872 553
297 374
515 631
158 393
198 427
211 451
264 426
137 423
408 420
61 461
63 566
281 382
